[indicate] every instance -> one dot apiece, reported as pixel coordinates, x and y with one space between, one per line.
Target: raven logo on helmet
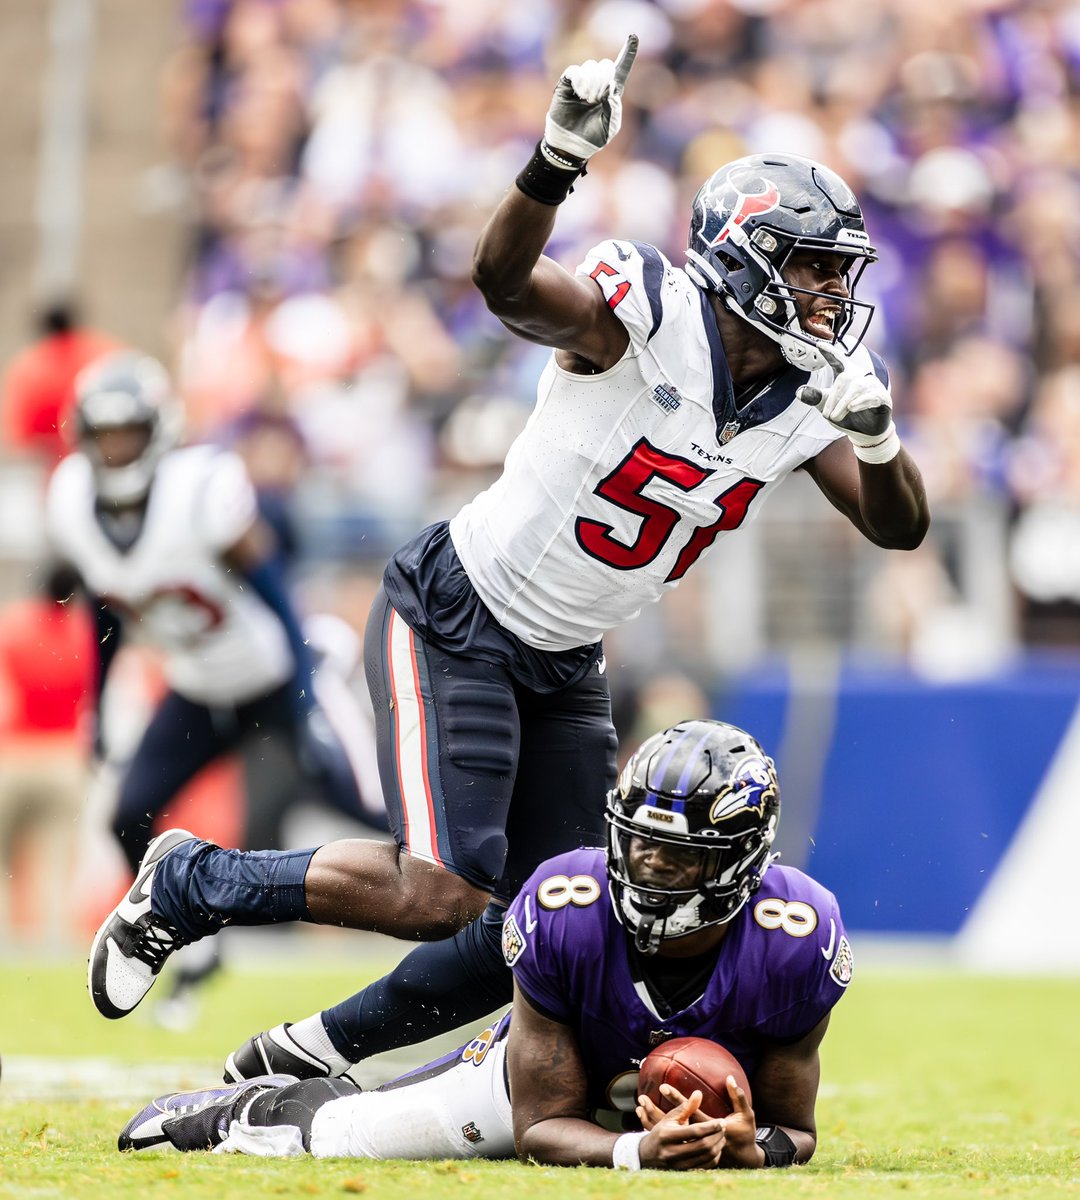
751 786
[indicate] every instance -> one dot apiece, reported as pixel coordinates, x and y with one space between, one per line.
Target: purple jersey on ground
782 966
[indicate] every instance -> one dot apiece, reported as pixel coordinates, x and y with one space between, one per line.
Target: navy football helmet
125 390
706 793
749 218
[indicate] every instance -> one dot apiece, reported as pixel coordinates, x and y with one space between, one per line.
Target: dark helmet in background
750 217
126 390
708 794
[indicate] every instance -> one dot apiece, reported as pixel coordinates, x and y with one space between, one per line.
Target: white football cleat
132 944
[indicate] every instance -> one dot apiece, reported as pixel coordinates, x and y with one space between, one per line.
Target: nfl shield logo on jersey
728 432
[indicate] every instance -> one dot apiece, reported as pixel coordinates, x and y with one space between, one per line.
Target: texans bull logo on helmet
764 198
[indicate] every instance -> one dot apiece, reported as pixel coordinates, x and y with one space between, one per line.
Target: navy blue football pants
481 775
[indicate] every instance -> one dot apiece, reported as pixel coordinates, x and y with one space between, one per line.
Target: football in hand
692 1064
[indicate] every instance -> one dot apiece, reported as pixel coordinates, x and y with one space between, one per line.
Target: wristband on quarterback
778 1147
626 1153
550 175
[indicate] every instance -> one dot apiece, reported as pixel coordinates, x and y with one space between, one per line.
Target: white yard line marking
28 1077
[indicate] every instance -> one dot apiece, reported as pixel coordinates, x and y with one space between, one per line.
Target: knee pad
297 1103
480 735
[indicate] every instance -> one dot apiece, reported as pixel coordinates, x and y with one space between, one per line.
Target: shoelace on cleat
155 940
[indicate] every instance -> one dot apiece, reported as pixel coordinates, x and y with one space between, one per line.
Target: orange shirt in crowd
38 390
48 667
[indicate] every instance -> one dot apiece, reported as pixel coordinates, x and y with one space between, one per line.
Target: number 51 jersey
783 964
620 481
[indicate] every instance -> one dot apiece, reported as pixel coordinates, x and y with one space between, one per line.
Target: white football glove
586 109
859 404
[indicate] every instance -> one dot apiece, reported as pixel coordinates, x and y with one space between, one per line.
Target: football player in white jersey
169 546
675 400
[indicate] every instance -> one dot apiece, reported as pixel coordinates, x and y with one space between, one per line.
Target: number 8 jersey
620 481
783 964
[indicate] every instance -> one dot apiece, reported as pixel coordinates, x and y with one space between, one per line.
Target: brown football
690 1064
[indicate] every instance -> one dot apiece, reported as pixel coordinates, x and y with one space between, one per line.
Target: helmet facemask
725 875
690 830
125 391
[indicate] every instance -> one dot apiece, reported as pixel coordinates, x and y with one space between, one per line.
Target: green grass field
934 1084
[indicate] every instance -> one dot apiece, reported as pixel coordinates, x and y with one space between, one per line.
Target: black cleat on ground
276 1052
197 1120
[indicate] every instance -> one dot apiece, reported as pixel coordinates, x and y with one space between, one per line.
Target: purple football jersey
782 966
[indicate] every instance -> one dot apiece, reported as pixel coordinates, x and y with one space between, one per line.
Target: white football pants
455 1109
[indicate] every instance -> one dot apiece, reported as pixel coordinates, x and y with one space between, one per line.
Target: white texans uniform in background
222 643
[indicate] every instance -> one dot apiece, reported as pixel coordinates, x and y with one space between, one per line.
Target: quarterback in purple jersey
684 927
676 400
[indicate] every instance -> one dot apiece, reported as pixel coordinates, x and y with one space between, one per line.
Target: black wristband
547 182
779 1148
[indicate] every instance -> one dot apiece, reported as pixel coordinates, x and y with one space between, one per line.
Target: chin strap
647 936
798 353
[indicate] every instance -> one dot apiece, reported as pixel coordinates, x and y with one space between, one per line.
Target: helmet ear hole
727 262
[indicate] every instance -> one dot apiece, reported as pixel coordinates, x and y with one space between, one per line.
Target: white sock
311 1034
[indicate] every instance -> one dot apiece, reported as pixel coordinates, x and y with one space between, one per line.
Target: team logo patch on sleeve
842 966
513 941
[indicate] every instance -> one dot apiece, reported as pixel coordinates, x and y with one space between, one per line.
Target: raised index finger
625 61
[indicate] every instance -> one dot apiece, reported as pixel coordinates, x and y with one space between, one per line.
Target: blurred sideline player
686 930
46 676
169 546
675 402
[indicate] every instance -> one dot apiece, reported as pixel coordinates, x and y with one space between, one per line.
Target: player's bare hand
648 1113
683 1139
740 1130
651 1114
586 109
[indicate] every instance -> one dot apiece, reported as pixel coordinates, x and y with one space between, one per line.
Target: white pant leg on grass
461 1112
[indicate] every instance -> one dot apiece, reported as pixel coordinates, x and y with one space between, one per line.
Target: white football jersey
222 644
621 481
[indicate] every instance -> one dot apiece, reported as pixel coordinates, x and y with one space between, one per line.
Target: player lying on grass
686 929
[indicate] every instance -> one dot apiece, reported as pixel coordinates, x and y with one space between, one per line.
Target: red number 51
625 487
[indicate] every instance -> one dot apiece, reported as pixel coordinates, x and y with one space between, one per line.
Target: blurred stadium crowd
342 157
339 157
